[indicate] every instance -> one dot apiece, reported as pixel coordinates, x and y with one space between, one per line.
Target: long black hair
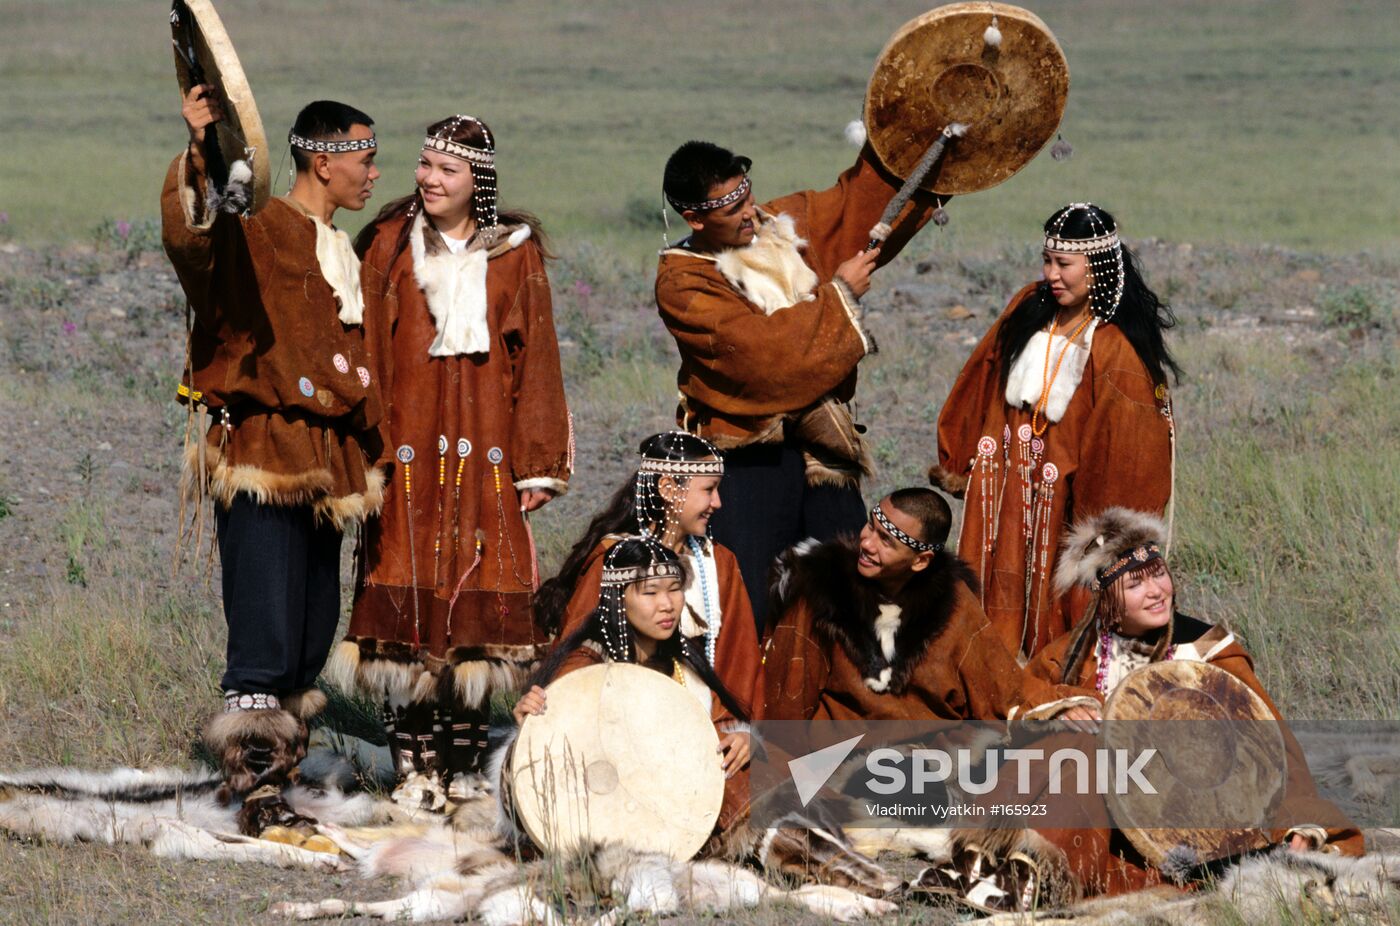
470 132
619 516
1142 316
636 551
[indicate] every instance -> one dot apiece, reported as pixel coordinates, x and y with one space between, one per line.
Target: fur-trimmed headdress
1095 553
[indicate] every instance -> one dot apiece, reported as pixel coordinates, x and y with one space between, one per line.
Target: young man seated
887 627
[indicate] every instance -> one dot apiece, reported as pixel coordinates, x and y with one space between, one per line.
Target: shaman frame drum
240 133
1222 767
940 68
623 756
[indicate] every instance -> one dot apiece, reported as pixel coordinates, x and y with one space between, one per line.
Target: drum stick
881 231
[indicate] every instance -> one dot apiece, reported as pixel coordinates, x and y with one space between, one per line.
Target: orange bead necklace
1039 421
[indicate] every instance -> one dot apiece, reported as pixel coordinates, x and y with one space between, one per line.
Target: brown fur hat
1094 543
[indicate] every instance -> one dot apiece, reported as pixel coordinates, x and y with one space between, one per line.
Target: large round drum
241 136
1222 761
623 755
939 69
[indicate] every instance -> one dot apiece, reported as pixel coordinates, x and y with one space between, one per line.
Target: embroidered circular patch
442 444
1037 445
1006 434
986 446
307 389
1049 473
1140 554
341 363
495 455
1024 433
464 447
363 374
405 454
1161 392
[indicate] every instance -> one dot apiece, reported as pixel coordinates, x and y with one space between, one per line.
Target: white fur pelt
770 271
1027 378
457 870
172 812
1281 887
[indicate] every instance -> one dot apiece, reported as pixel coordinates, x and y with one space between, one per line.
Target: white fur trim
189 199
852 307
882 683
1189 652
519 236
455 288
770 271
886 626
1027 376
557 486
692 618
855 133
341 269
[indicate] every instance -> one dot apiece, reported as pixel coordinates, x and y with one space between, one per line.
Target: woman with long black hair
635 617
1062 410
671 498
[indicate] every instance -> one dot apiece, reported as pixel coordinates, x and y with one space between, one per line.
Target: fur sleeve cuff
948 481
197 217
851 304
734 726
557 486
1041 717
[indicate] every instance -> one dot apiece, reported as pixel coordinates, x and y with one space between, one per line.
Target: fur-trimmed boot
415 734
474 677
259 739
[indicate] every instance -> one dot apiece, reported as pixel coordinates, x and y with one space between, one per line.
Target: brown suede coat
267 347
1113 446
738 662
743 370
471 558
948 664
1100 858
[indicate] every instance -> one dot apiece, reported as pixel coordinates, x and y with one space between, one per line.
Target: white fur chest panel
455 288
886 628
1027 377
341 269
770 271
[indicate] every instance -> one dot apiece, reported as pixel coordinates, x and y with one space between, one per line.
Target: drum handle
882 230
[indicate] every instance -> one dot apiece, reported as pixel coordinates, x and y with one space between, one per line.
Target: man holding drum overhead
763 301
284 420
764 305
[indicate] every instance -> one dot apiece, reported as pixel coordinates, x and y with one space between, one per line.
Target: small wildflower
69 327
123 228
582 288
4 218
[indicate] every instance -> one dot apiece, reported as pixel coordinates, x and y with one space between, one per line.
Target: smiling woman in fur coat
1061 411
460 328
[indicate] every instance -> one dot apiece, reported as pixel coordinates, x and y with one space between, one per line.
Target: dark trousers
768 506
281 595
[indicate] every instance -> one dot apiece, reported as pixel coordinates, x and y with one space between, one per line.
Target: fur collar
887 640
770 271
1027 377
455 285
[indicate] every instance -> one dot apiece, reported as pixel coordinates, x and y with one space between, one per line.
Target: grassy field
1248 147
1255 120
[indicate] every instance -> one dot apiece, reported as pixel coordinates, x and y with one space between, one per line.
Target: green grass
1246 121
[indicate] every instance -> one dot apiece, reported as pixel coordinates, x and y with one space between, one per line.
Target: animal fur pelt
1281 887
172 812
456 874
770 271
1094 543
887 642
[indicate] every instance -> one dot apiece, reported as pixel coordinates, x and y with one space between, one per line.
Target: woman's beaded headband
1130 560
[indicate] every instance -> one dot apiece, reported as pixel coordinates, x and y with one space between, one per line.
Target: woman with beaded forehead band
1061 411
633 615
1117 558
459 324
671 498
